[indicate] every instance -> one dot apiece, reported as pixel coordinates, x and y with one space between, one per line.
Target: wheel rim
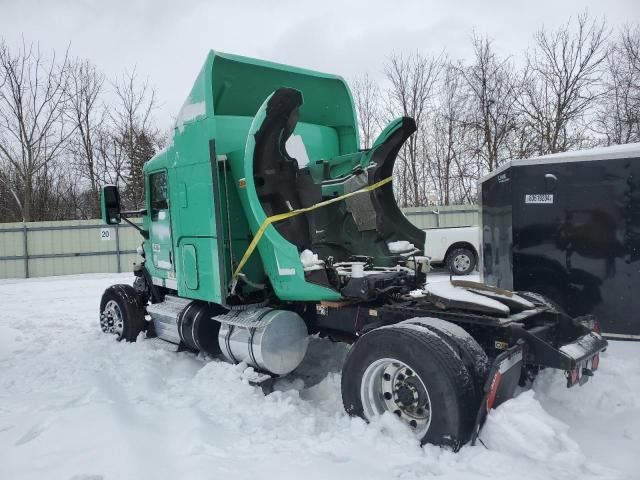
389 385
112 320
462 262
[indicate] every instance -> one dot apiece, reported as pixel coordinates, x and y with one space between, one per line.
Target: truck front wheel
122 313
411 372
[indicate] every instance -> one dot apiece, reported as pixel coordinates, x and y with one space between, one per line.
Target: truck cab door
160 229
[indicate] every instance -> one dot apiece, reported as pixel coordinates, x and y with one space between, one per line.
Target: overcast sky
167 40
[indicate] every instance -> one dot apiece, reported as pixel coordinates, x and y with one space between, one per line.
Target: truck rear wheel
461 261
467 348
121 313
413 373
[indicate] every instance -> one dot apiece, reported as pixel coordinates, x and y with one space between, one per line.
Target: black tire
473 356
461 261
130 321
442 372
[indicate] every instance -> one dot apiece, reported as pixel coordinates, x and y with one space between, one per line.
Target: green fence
42 249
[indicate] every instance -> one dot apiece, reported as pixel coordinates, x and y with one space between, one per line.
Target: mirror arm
135 213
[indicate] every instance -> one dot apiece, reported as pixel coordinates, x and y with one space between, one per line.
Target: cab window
158 193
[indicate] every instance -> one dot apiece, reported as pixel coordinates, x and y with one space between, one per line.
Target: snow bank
10 340
604 415
77 404
522 429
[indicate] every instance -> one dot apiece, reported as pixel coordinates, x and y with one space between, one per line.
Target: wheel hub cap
406 396
462 262
389 385
111 319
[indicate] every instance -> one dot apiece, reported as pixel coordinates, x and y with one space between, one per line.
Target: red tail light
495 384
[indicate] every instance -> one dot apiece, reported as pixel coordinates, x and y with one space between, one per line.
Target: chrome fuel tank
267 339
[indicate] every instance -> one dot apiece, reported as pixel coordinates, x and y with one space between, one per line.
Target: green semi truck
265 223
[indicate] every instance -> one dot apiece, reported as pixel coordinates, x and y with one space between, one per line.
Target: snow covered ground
75 404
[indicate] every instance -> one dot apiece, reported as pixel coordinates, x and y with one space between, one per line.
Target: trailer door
594 238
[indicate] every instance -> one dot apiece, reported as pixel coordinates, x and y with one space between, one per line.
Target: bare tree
445 138
367 98
111 156
618 117
9 200
563 82
493 87
631 46
134 133
84 91
524 141
33 131
58 193
412 82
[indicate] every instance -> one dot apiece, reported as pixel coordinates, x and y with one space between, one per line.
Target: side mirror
110 205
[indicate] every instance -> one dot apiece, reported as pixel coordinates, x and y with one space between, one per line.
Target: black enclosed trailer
568 226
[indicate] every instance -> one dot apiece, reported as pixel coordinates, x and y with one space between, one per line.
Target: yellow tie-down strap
283 216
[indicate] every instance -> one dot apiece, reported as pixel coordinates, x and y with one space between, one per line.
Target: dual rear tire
424 371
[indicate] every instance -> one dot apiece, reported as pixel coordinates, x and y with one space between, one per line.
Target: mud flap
501 384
